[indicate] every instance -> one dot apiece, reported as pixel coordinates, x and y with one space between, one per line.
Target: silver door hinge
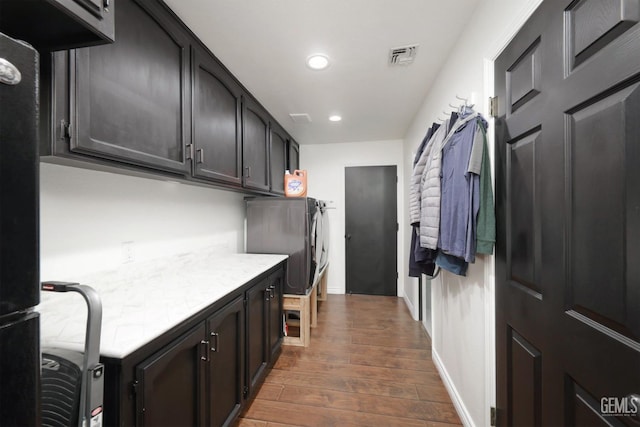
493 106
65 130
493 416
189 151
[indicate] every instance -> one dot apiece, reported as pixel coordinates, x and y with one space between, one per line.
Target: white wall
325 165
86 215
462 318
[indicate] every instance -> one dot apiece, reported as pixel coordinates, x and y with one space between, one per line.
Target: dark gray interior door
568 215
371 227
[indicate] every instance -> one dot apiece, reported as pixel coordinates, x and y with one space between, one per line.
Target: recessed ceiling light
318 61
335 118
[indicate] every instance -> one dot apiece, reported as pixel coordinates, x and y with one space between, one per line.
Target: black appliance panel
19 263
20 370
19 251
283 225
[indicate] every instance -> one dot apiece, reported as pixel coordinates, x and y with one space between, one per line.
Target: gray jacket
431 190
415 185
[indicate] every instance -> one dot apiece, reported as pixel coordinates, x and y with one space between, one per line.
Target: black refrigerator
19 235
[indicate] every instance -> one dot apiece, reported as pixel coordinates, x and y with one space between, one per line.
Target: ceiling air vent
300 118
402 55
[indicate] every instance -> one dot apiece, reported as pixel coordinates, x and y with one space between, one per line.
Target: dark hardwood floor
369 364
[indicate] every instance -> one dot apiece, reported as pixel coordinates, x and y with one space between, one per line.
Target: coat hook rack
466 103
462 99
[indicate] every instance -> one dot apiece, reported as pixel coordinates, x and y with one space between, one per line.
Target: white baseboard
411 307
464 415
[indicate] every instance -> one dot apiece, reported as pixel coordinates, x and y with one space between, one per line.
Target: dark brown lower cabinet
204 371
257 338
264 327
276 321
226 368
169 384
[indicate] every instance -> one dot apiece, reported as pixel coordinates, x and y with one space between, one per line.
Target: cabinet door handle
105 5
248 169
205 345
200 155
215 347
272 290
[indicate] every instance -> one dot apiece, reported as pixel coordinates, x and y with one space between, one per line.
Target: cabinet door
278 153
258 298
255 145
216 120
275 314
58 24
131 96
293 155
226 374
170 384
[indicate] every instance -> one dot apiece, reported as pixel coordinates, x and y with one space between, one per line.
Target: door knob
9 73
348 236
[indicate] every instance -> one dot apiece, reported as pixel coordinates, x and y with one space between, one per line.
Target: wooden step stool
307 306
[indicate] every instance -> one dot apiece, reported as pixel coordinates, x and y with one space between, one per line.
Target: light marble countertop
142 301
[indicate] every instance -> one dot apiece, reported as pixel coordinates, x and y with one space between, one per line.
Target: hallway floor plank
368 364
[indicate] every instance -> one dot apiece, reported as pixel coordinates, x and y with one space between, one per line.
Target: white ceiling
264 43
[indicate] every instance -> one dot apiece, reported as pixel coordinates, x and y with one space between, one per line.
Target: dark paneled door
568 205
371 226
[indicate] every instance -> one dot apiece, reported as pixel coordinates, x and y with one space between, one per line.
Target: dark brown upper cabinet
278 157
293 155
58 24
255 148
158 103
129 98
217 120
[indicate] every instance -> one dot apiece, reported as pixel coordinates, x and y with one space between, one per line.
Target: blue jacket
460 190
